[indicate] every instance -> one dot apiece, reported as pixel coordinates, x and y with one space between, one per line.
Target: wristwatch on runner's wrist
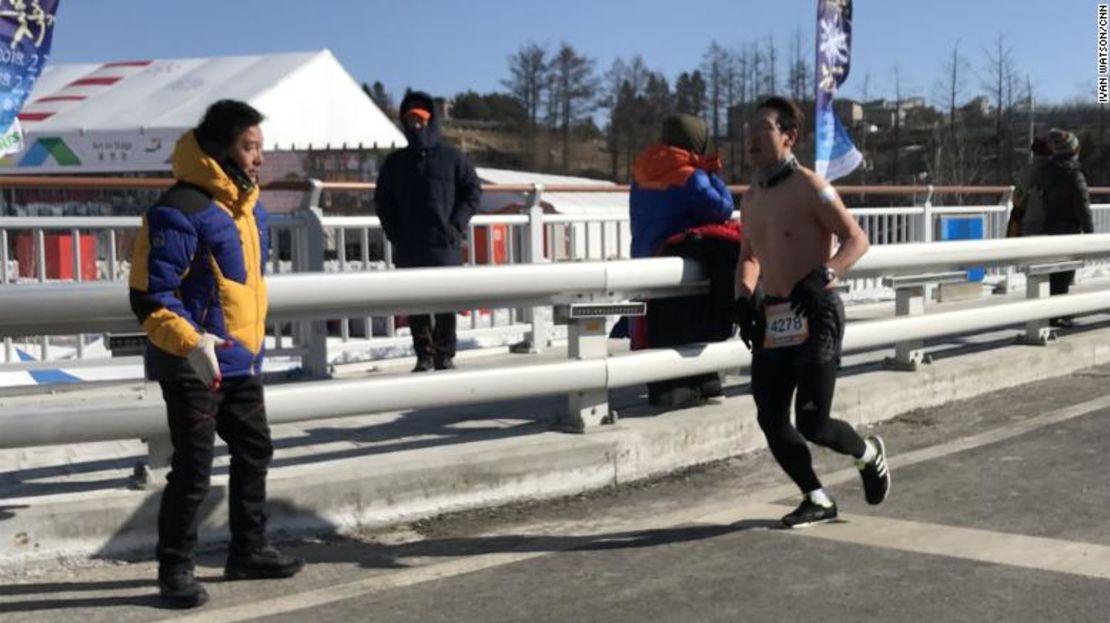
829 273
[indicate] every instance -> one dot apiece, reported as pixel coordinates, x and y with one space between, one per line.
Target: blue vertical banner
836 155
26 31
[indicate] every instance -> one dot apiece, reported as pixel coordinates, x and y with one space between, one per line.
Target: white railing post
927 216
1038 286
312 335
929 228
587 339
1007 284
9 352
537 338
151 471
910 295
76 242
1037 332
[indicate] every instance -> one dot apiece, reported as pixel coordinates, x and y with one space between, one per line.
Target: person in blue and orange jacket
674 186
197 288
675 191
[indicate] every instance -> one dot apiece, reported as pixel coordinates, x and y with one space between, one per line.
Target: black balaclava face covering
427 136
219 153
776 173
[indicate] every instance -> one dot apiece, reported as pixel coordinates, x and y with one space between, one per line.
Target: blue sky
449 46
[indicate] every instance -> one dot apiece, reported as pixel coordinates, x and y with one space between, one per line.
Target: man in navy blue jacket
426 194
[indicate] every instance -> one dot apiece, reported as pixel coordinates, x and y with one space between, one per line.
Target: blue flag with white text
26 32
836 155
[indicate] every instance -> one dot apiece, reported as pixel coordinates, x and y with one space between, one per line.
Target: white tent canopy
576 203
118 117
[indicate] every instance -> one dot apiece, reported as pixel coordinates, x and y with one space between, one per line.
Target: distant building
850 112
980 106
883 113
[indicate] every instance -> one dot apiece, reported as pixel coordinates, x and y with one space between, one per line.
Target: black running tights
775 376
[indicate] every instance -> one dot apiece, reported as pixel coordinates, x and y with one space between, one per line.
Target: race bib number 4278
784 327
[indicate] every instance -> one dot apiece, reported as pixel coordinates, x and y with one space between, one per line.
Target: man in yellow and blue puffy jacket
198 289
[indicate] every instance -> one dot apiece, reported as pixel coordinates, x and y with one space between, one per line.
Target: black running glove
806 296
746 312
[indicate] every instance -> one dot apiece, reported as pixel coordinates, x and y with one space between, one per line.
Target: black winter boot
264 562
179 588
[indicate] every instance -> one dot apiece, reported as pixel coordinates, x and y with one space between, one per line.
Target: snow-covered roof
126 116
573 203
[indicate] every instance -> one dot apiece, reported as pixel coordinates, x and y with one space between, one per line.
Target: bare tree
756 68
527 76
624 83
798 72
772 64
949 164
950 89
714 67
997 76
896 74
573 84
733 83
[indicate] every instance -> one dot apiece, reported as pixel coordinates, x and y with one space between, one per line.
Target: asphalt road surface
998 512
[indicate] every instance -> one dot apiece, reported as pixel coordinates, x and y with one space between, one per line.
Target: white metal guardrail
46 308
335 398
34 309
306 240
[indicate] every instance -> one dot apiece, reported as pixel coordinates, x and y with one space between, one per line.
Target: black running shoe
809 513
876 474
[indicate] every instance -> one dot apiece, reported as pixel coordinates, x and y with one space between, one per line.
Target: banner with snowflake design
836 155
26 32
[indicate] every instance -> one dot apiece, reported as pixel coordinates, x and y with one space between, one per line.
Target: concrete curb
383 489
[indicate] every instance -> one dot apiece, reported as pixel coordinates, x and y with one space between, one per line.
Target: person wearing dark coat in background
425 196
1027 215
1066 204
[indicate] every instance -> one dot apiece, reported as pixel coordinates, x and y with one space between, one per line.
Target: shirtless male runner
790 316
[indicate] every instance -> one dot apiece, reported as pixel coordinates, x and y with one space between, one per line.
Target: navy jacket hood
425 138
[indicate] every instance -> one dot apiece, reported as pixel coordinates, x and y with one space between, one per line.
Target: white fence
584 379
98 248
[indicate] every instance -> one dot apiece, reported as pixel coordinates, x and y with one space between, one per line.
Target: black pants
809 368
237 412
437 341
775 376
1059 284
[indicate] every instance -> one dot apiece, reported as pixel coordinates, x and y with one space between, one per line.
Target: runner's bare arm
832 214
747 269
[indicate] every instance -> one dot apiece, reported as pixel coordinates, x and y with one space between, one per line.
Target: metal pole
536 339
387 252
364 246
341 255
472 260
113 270
9 352
312 335
76 241
491 231
40 255
3 256
927 215
40 250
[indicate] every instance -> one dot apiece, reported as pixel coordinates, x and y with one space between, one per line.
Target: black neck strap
777 172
